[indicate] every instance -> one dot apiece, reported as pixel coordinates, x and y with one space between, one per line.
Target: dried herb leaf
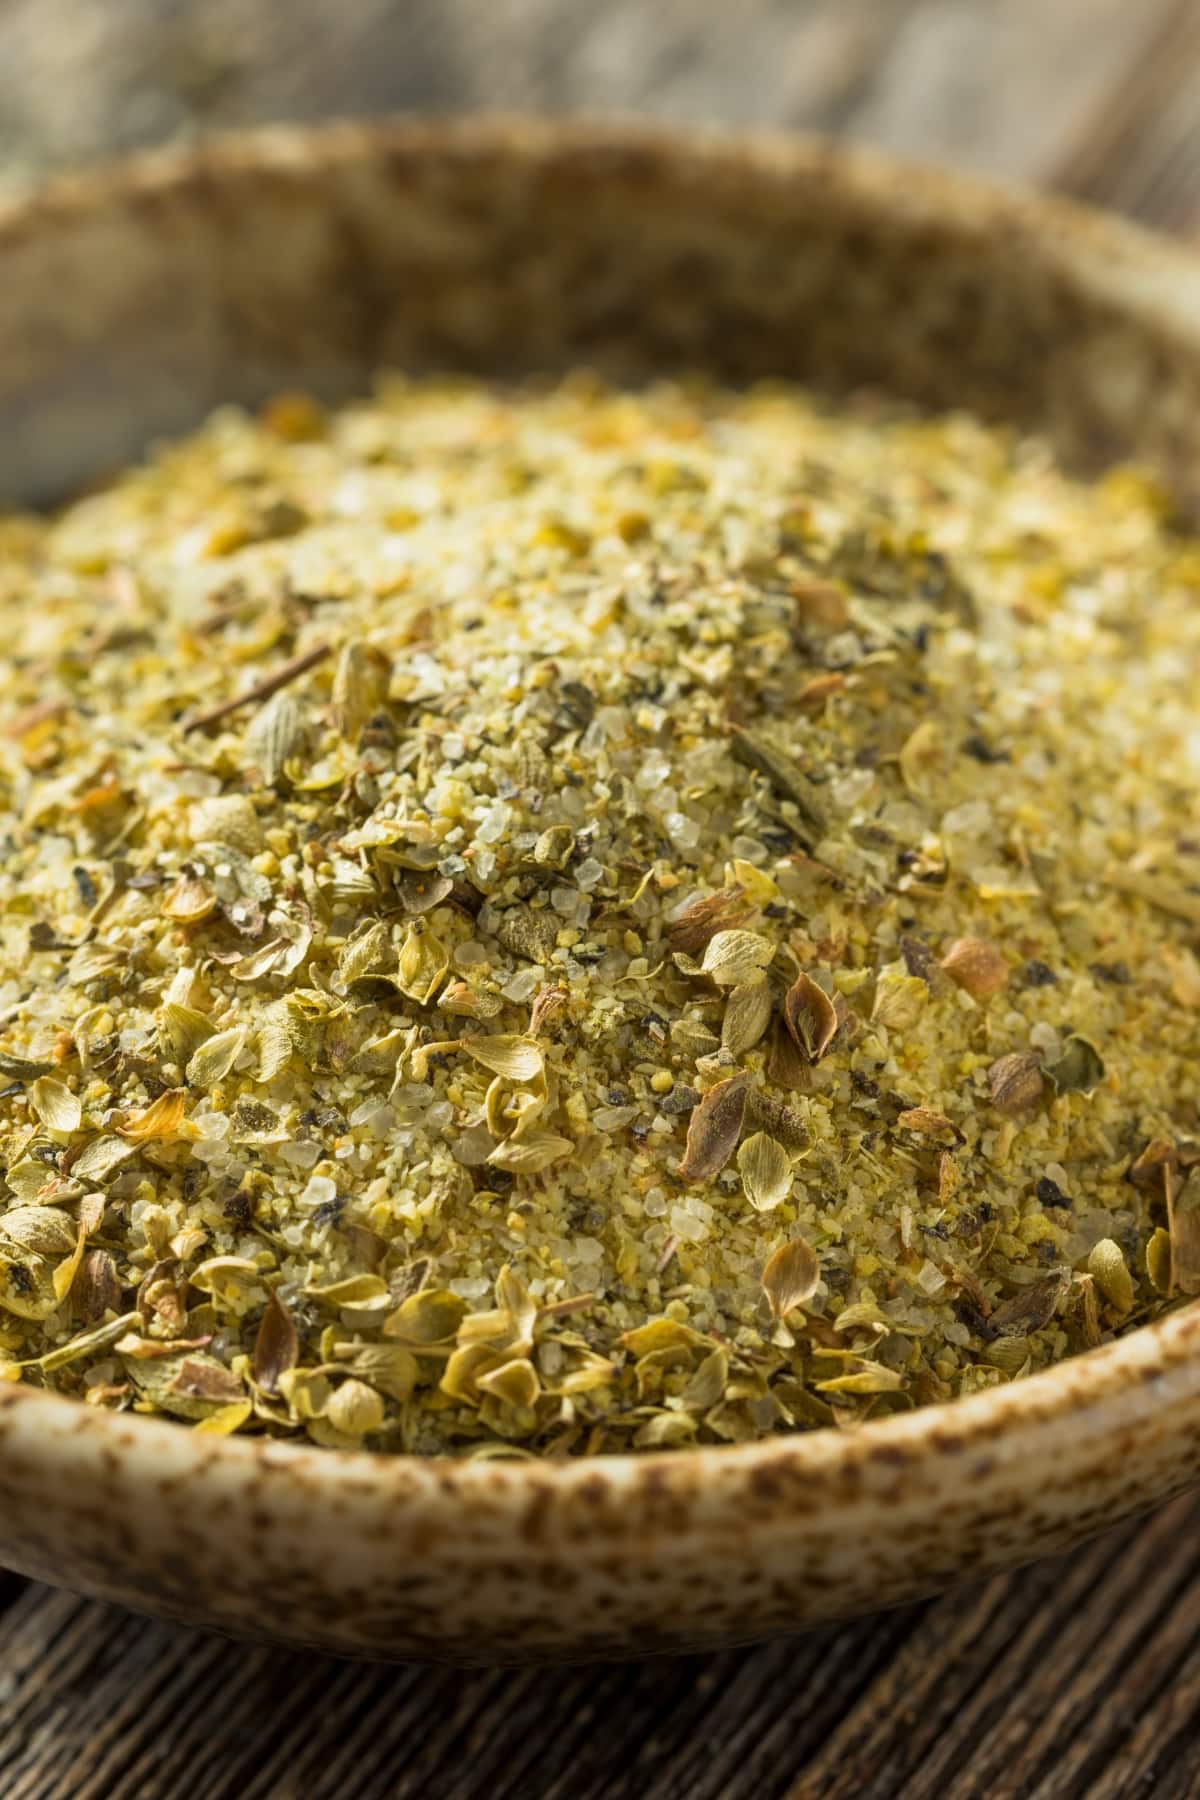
810 1017
203 1378
1158 1261
536 1151
225 1420
360 684
527 933
182 1030
190 1385
421 893
791 1276
787 1064
732 958
899 1001
366 954
926 1120
274 734
1082 1313
747 1015
55 1105
275 1047
26 1282
549 1004
515 1383
101 1338
510 1323
1009 1354
787 1123
868 1378
97 1287
658 1335
554 848
1154 1167
691 930
714 1128
307 1393
785 776
277 1346
354 1409
516 1058
1183 1224
707 1385
63 1278
427 1318
1111 1271
22 1068
919 758
101 1158
162 1118
41 1229
766 1172
351 1290
1016 1082
664 1431
390 1368
216 1057
421 964
1032 1308
1079 1070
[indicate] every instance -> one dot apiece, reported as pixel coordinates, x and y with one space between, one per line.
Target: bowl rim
1148 278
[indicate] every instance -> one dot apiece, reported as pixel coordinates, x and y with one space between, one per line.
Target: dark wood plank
103 1704
1074 1677
1039 1687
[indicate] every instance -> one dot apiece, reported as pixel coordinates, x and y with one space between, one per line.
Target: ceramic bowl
132 300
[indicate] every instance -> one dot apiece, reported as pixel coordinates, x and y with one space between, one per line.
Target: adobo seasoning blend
564 920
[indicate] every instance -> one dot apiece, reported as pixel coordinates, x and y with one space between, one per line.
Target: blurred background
1099 97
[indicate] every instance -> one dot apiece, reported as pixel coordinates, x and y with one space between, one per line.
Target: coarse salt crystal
300 1152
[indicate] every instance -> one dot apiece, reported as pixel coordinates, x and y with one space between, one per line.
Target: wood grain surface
1079 1677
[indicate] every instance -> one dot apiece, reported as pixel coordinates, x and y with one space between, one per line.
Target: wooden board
1076 1678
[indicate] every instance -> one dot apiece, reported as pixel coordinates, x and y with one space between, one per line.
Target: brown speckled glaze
131 302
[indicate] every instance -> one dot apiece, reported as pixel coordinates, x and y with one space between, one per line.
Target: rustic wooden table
1077 1677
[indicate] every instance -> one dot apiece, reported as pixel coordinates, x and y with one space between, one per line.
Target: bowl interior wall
129 308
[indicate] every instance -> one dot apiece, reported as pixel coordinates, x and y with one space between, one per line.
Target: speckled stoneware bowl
132 301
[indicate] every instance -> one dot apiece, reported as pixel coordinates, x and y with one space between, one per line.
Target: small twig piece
262 690
32 716
222 615
562 1309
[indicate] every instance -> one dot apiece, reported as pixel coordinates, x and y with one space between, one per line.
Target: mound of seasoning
557 920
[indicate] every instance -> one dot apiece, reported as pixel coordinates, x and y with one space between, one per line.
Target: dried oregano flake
747 1015
790 1276
766 1171
714 1129
810 1017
